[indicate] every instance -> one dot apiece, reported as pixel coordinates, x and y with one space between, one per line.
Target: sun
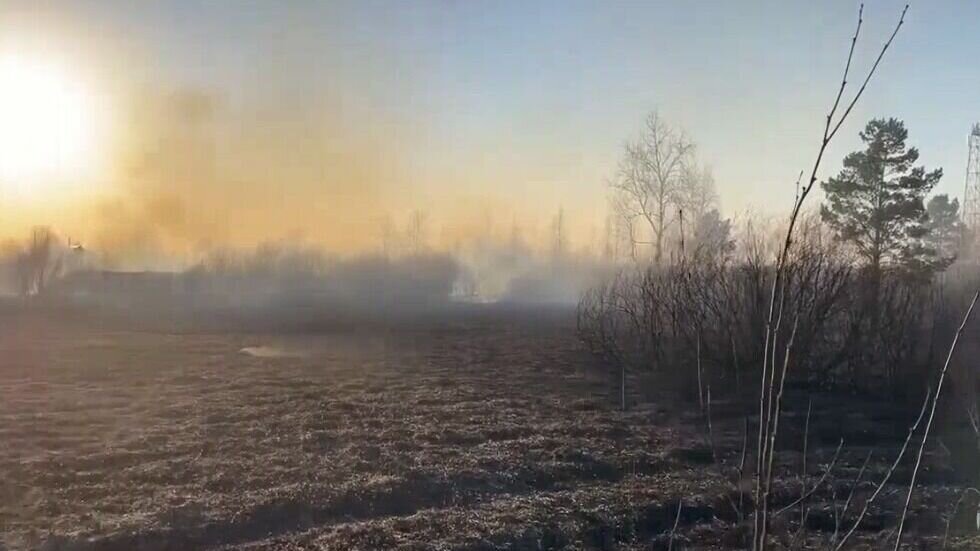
48 127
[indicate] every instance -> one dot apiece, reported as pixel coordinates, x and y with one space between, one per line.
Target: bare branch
677 521
819 483
932 415
888 475
901 21
768 417
850 495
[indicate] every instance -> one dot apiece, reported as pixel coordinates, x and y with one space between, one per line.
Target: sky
236 122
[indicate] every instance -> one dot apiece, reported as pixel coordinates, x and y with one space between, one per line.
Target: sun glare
48 130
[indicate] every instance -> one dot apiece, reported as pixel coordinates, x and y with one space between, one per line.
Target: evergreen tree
876 203
944 233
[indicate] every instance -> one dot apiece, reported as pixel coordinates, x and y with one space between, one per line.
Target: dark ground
486 432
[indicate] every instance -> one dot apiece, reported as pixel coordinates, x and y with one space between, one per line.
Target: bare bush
656 317
31 265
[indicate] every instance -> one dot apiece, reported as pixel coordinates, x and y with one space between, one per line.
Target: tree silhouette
876 203
37 262
944 232
654 179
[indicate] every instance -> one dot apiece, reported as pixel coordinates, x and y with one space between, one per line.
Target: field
483 432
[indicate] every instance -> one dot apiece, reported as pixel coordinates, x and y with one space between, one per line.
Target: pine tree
944 232
876 203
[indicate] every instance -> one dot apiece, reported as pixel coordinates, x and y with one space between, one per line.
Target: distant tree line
861 273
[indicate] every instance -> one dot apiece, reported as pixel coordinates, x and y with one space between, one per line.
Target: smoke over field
488 275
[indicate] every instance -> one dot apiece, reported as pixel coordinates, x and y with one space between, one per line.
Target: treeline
872 284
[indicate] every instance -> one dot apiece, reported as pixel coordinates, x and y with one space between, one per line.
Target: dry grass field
485 433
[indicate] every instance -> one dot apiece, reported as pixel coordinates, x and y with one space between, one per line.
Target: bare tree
416 231
389 236
697 194
649 184
37 263
558 230
624 224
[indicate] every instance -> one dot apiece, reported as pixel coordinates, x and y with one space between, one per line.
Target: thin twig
700 390
956 508
850 495
677 521
741 467
888 475
932 415
779 402
847 68
803 471
735 366
820 481
767 416
711 433
857 482
901 21
715 461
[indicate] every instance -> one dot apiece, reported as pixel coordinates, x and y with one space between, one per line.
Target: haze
472 275
235 124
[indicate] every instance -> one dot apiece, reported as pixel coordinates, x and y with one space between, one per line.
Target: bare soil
491 433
